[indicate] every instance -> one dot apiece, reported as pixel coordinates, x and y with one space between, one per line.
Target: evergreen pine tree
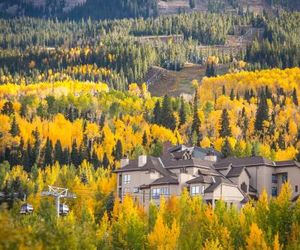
102 120
66 157
226 148
26 160
223 90
232 95
105 161
225 129
95 160
168 120
58 152
118 151
36 148
182 112
48 159
262 113
14 130
145 139
157 113
295 98
8 108
196 120
281 141
83 154
75 159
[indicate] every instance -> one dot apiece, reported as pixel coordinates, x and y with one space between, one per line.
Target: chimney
124 162
213 158
142 160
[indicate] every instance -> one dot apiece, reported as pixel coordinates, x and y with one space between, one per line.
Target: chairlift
63 209
26 209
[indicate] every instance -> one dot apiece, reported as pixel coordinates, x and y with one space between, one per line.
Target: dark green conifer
105 161
48 159
225 129
262 113
14 130
58 152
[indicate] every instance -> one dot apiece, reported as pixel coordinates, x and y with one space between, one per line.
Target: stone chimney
142 160
124 162
213 158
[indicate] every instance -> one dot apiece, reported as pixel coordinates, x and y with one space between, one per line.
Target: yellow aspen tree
104 233
212 245
162 237
255 240
276 243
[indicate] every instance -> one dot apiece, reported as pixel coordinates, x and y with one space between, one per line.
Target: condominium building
203 172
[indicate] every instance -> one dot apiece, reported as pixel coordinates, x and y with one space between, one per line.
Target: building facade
203 172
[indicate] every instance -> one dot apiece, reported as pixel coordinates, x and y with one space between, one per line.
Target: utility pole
57 193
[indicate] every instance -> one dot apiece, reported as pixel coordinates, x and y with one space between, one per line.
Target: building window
183 171
296 188
127 178
284 177
120 180
244 187
274 178
195 190
164 191
155 193
120 193
274 191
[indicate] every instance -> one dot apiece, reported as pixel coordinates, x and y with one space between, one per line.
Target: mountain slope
77 9
103 9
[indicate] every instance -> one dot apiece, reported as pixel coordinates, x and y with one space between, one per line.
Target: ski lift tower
58 193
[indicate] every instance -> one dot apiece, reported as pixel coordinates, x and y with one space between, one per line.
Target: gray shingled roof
210 171
236 171
245 161
218 181
166 180
152 163
252 189
206 151
172 163
200 179
287 164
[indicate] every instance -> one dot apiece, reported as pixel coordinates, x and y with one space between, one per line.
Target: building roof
245 161
287 164
252 189
166 180
218 181
198 152
200 179
194 162
237 171
153 163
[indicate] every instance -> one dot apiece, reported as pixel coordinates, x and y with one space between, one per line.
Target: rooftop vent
124 162
142 160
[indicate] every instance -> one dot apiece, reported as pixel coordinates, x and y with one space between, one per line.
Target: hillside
101 9
176 83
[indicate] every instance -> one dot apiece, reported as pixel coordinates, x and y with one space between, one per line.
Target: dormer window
127 179
183 171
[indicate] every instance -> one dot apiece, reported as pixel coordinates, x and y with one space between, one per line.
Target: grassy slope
175 83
